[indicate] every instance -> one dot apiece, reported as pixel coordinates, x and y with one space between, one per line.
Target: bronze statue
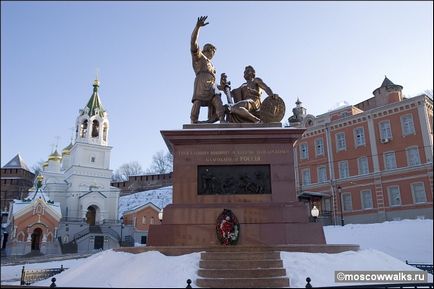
205 90
247 97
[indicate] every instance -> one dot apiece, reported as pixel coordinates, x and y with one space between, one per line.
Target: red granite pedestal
275 217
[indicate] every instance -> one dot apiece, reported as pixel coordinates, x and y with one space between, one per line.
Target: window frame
359 167
338 148
316 147
390 198
407 154
389 129
347 169
413 192
306 156
363 137
413 129
362 200
318 174
344 209
386 168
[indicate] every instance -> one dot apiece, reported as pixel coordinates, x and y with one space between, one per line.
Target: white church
79 181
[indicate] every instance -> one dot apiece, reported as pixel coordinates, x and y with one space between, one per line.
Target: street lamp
342 206
122 226
160 215
315 213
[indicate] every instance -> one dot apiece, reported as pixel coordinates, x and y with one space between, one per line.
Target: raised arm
263 86
195 35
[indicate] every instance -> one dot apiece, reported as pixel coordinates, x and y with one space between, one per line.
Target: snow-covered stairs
241 269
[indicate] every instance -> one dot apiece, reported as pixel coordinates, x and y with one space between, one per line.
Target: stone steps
241 255
243 283
240 264
236 273
236 267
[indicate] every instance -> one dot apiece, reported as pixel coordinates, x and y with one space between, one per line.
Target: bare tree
429 93
162 162
37 168
129 169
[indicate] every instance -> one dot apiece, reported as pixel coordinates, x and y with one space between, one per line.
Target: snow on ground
403 240
159 197
321 267
410 240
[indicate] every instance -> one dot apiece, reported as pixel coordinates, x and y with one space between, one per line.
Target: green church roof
94 105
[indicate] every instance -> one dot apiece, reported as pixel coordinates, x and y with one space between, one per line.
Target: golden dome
55 156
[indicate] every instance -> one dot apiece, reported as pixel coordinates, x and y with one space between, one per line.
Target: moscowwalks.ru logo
381 276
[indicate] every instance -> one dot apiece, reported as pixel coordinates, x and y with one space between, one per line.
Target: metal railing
30 276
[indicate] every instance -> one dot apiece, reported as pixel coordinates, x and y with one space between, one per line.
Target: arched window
95 128
83 130
20 236
104 132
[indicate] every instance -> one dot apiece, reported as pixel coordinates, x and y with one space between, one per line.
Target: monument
233 181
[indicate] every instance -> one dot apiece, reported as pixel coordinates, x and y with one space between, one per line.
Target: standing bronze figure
205 90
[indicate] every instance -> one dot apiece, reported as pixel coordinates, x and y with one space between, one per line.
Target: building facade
369 162
79 181
34 222
138 219
16 180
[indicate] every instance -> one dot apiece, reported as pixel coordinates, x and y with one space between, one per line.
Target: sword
226 88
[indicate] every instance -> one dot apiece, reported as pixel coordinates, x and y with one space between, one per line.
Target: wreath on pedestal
227 228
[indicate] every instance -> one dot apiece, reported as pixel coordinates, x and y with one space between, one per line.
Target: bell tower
92 124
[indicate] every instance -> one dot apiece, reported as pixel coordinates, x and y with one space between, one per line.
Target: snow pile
399 240
410 240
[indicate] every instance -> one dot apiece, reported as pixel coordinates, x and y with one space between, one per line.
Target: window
322 174
327 204
418 192
92 159
340 142
304 154
347 202
104 132
83 128
152 220
394 196
143 220
95 128
319 147
306 177
366 197
362 163
389 161
412 156
359 135
385 130
343 169
407 124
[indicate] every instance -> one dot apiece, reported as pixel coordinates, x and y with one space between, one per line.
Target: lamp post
315 213
122 226
342 206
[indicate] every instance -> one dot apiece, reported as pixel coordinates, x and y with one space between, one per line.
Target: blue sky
322 52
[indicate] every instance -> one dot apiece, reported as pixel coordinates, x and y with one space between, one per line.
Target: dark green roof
387 82
94 102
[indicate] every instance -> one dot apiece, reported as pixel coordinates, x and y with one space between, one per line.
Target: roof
17 162
139 207
35 196
67 149
94 102
386 82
